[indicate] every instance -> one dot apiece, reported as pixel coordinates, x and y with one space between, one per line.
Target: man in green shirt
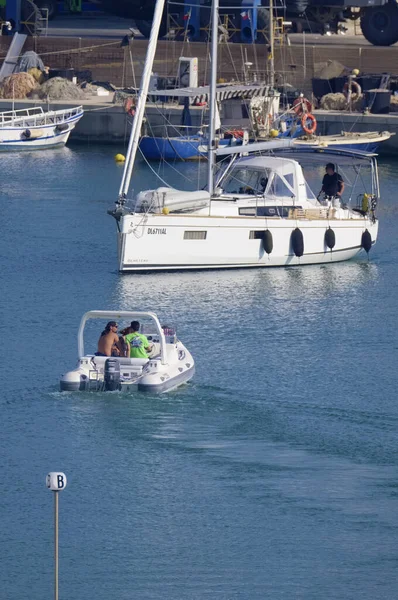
138 343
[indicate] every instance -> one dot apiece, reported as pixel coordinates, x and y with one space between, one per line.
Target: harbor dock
104 60
107 123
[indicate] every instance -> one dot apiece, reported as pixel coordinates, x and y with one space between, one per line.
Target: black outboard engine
112 374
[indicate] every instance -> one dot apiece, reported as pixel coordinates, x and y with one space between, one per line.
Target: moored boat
187 147
34 128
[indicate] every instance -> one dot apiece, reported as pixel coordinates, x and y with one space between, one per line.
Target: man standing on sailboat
332 182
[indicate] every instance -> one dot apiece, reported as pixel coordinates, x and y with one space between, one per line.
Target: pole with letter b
56 482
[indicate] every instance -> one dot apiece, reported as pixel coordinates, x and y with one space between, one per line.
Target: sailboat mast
213 96
142 96
272 44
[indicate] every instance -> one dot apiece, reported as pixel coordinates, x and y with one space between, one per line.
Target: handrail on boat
31 117
123 314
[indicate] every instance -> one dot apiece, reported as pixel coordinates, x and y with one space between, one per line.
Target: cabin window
279 188
256 235
195 235
289 179
272 211
248 211
310 193
267 211
246 181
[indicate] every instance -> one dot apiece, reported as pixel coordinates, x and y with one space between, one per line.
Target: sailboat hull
171 242
363 141
178 148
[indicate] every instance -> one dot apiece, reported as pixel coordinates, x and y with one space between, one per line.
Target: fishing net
37 75
58 88
17 86
339 102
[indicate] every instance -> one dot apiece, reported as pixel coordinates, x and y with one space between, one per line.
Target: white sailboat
258 212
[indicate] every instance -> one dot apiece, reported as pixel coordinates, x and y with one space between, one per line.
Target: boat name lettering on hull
157 231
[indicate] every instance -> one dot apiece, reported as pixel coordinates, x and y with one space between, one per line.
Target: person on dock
138 343
332 182
109 340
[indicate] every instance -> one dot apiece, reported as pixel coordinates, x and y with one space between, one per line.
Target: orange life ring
302 106
129 106
304 123
349 86
200 104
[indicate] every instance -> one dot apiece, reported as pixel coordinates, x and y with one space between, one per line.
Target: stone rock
329 69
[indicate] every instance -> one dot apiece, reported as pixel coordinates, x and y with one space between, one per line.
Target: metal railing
30 117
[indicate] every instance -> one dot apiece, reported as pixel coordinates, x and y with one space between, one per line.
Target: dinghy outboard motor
112 375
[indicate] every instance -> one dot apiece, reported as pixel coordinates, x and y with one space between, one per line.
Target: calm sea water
273 474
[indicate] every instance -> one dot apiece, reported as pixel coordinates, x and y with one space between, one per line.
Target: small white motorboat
168 365
34 129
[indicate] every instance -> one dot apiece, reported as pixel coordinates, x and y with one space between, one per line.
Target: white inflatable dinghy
168 365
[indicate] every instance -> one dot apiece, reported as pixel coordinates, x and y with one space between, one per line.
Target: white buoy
56 482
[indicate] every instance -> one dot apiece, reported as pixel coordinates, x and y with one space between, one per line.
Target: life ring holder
261 120
301 106
353 88
129 106
310 130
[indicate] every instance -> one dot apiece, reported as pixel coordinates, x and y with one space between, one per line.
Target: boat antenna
141 101
213 96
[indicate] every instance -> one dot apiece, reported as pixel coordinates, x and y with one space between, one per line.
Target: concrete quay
295 64
107 123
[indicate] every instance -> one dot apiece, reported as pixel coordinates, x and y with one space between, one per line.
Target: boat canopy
310 155
321 156
284 176
224 92
117 315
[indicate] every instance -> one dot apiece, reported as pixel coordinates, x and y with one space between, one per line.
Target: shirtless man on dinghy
108 342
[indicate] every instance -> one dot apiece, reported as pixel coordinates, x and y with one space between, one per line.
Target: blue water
273 474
